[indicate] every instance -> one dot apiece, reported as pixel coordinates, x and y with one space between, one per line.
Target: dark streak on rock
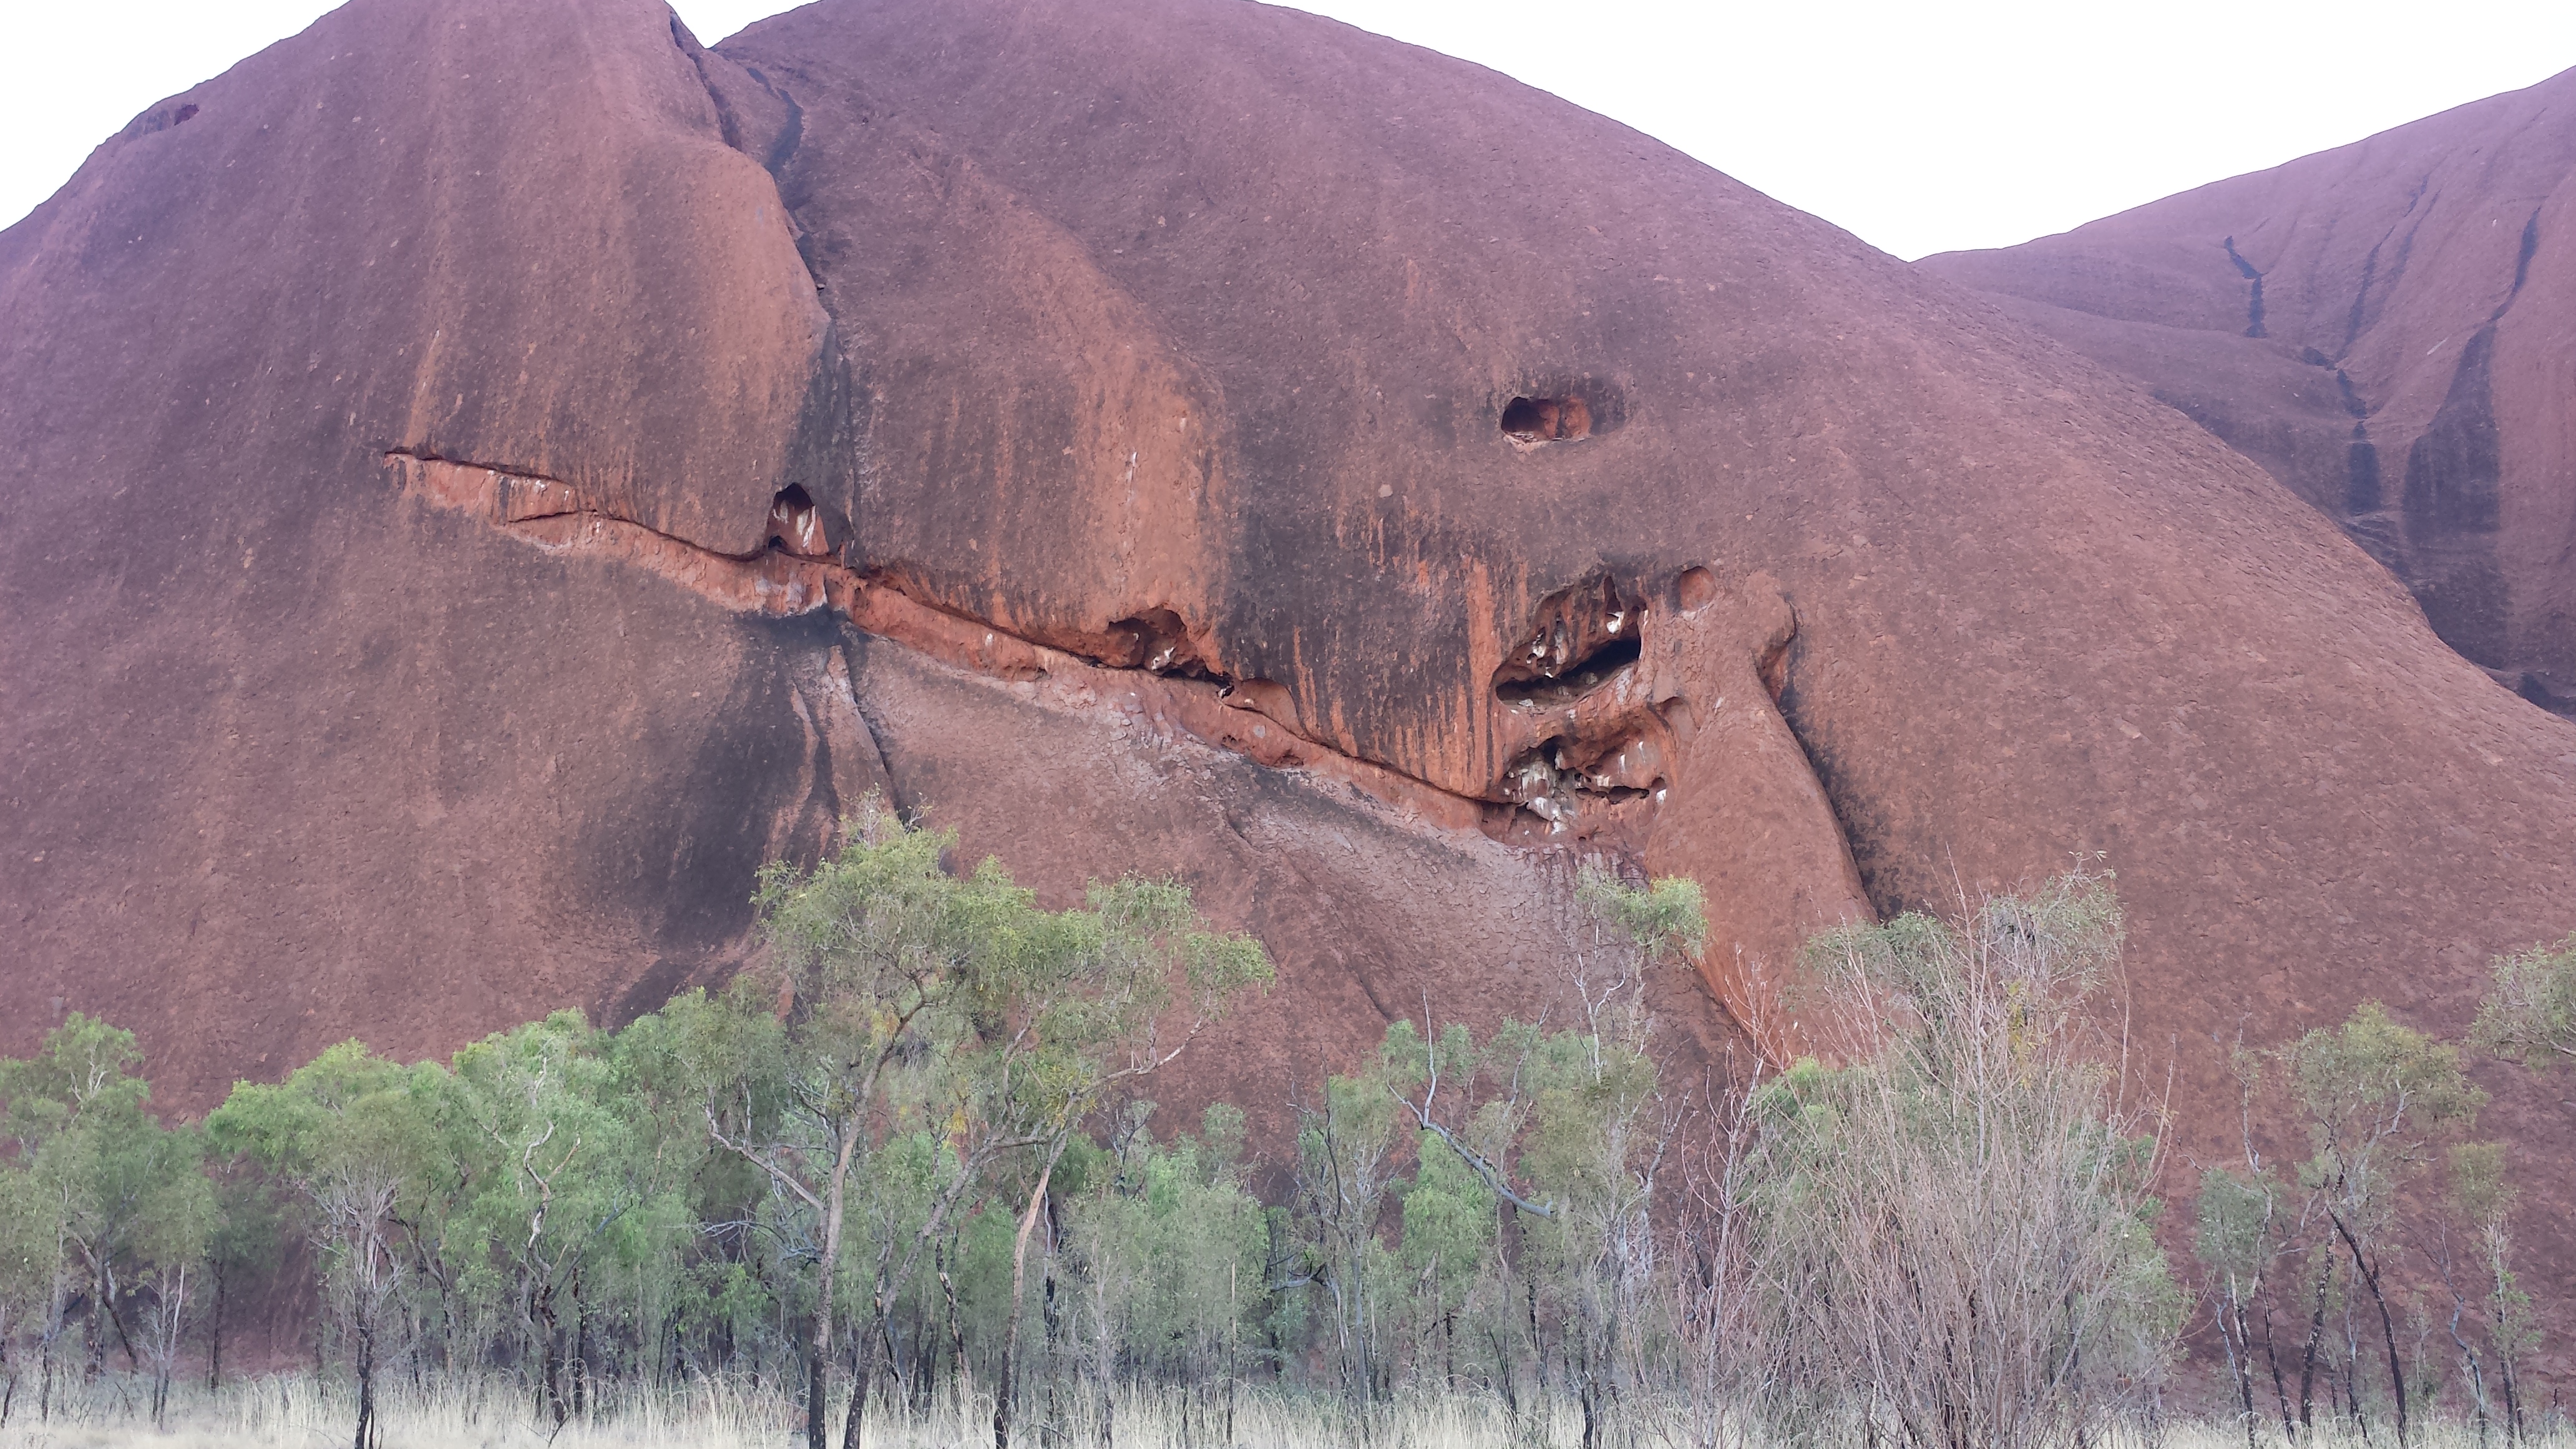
2254 300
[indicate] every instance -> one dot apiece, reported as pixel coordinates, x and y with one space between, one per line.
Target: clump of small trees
912 1159
102 1208
2335 1266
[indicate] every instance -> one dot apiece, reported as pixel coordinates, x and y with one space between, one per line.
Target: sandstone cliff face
2390 329
487 479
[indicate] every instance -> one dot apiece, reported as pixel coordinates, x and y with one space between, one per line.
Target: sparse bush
1955 1227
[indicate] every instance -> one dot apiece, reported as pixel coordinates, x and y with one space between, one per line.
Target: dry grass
296 1412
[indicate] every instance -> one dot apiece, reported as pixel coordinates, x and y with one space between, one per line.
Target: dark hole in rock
1159 641
1547 419
186 112
1698 590
796 525
1583 638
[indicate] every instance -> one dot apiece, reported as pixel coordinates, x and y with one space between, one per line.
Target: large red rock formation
2390 329
491 475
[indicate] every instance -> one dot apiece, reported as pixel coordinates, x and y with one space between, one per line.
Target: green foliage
2377 1100
1668 916
108 1200
2238 1228
948 1025
1174 1247
346 1115
914 1137
2478 1185
2375 1095
2014 973
2529 1014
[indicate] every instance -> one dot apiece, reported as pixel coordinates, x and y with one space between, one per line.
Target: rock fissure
1157 678
727 123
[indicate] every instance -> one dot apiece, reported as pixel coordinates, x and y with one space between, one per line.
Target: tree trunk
819 1359
2387 1325
863 1365
2272 1361
549 1364
215 1333
2308 1358
816 1408
961 1372
366 1379
2512 1397
1011 1330
2229 1334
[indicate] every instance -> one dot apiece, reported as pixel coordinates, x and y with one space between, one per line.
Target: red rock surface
2390 329
395 643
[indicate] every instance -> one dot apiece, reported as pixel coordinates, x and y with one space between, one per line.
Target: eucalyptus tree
1350 1152
906 1000
2379 1099
100 1176
176 1235
2239 1237
562 1184
2529 1014
1091 1002
354 1136
2482 1197
244 1248
1172 1246
1570 1130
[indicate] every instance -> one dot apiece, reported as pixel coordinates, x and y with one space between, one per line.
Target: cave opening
1158 641
1547 419
796 525
1575 679
1582 638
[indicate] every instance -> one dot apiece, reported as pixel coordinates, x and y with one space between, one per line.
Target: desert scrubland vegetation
906 1183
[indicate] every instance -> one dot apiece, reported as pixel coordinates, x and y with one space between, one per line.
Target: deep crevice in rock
1596 776
2254 301
728 124
1578 679
1558 779
1158 641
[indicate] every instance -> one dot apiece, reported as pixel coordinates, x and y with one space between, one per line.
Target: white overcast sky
1921 127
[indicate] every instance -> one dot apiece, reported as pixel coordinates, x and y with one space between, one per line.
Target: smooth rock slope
2389 328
